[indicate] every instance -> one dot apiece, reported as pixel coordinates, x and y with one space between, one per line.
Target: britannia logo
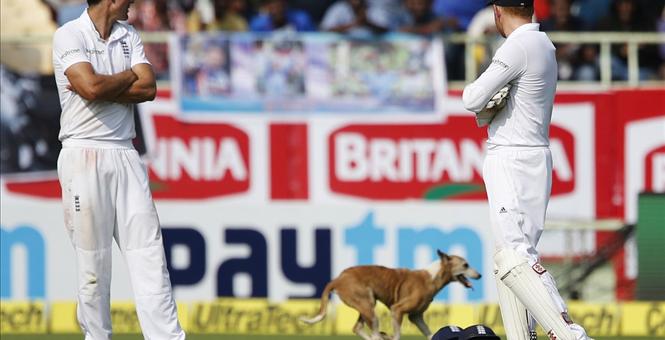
197 160
432 162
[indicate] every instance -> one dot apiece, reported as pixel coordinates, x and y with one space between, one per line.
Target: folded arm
93 86
508 63
143 89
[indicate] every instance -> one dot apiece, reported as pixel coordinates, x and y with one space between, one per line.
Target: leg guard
515 272
517 322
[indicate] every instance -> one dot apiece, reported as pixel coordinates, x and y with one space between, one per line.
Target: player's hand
499 100
496 103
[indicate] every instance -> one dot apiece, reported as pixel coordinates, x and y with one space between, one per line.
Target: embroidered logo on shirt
125 48
500 63
93 51
70 52
503 210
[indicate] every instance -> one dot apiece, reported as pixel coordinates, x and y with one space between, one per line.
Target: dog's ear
441 254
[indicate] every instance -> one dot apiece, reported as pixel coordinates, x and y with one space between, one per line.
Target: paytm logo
33 242
285 277
366 236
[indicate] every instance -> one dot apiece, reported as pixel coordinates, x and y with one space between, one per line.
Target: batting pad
515 272
515 316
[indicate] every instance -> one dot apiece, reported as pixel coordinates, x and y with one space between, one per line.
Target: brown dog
404 291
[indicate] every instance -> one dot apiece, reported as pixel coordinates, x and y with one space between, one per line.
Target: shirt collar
117 31
525 28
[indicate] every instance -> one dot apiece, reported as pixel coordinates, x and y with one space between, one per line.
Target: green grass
248 337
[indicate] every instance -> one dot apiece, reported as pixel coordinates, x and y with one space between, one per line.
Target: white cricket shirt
527 61
78 41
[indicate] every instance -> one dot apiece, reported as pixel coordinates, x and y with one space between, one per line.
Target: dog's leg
367 316
372 320
418 320
358 328
362 300
397 315
405 304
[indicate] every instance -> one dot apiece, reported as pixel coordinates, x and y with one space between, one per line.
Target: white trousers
106 196
518 181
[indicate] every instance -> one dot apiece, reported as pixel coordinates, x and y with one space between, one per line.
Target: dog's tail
325 297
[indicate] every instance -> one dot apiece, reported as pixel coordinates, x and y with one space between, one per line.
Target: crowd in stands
366 18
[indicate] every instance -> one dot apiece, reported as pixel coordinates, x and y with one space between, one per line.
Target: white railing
604 39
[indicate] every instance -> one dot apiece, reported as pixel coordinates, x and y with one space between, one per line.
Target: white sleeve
138 56
508 64
68 48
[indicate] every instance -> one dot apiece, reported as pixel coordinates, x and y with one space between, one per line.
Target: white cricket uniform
105 187
518 166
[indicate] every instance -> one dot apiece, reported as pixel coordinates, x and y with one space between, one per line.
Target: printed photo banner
308 74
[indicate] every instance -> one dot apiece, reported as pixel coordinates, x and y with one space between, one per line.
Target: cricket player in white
515 97
101 71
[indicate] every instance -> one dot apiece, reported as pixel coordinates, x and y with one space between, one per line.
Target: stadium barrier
258 316
604 40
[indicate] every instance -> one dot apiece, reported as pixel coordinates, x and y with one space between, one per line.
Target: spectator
464 11
625 17
482 24
591 11
275 15
420 19
185 17
587 68
152 16
228 16
27 18
387 13
316 9
351 17
561 19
